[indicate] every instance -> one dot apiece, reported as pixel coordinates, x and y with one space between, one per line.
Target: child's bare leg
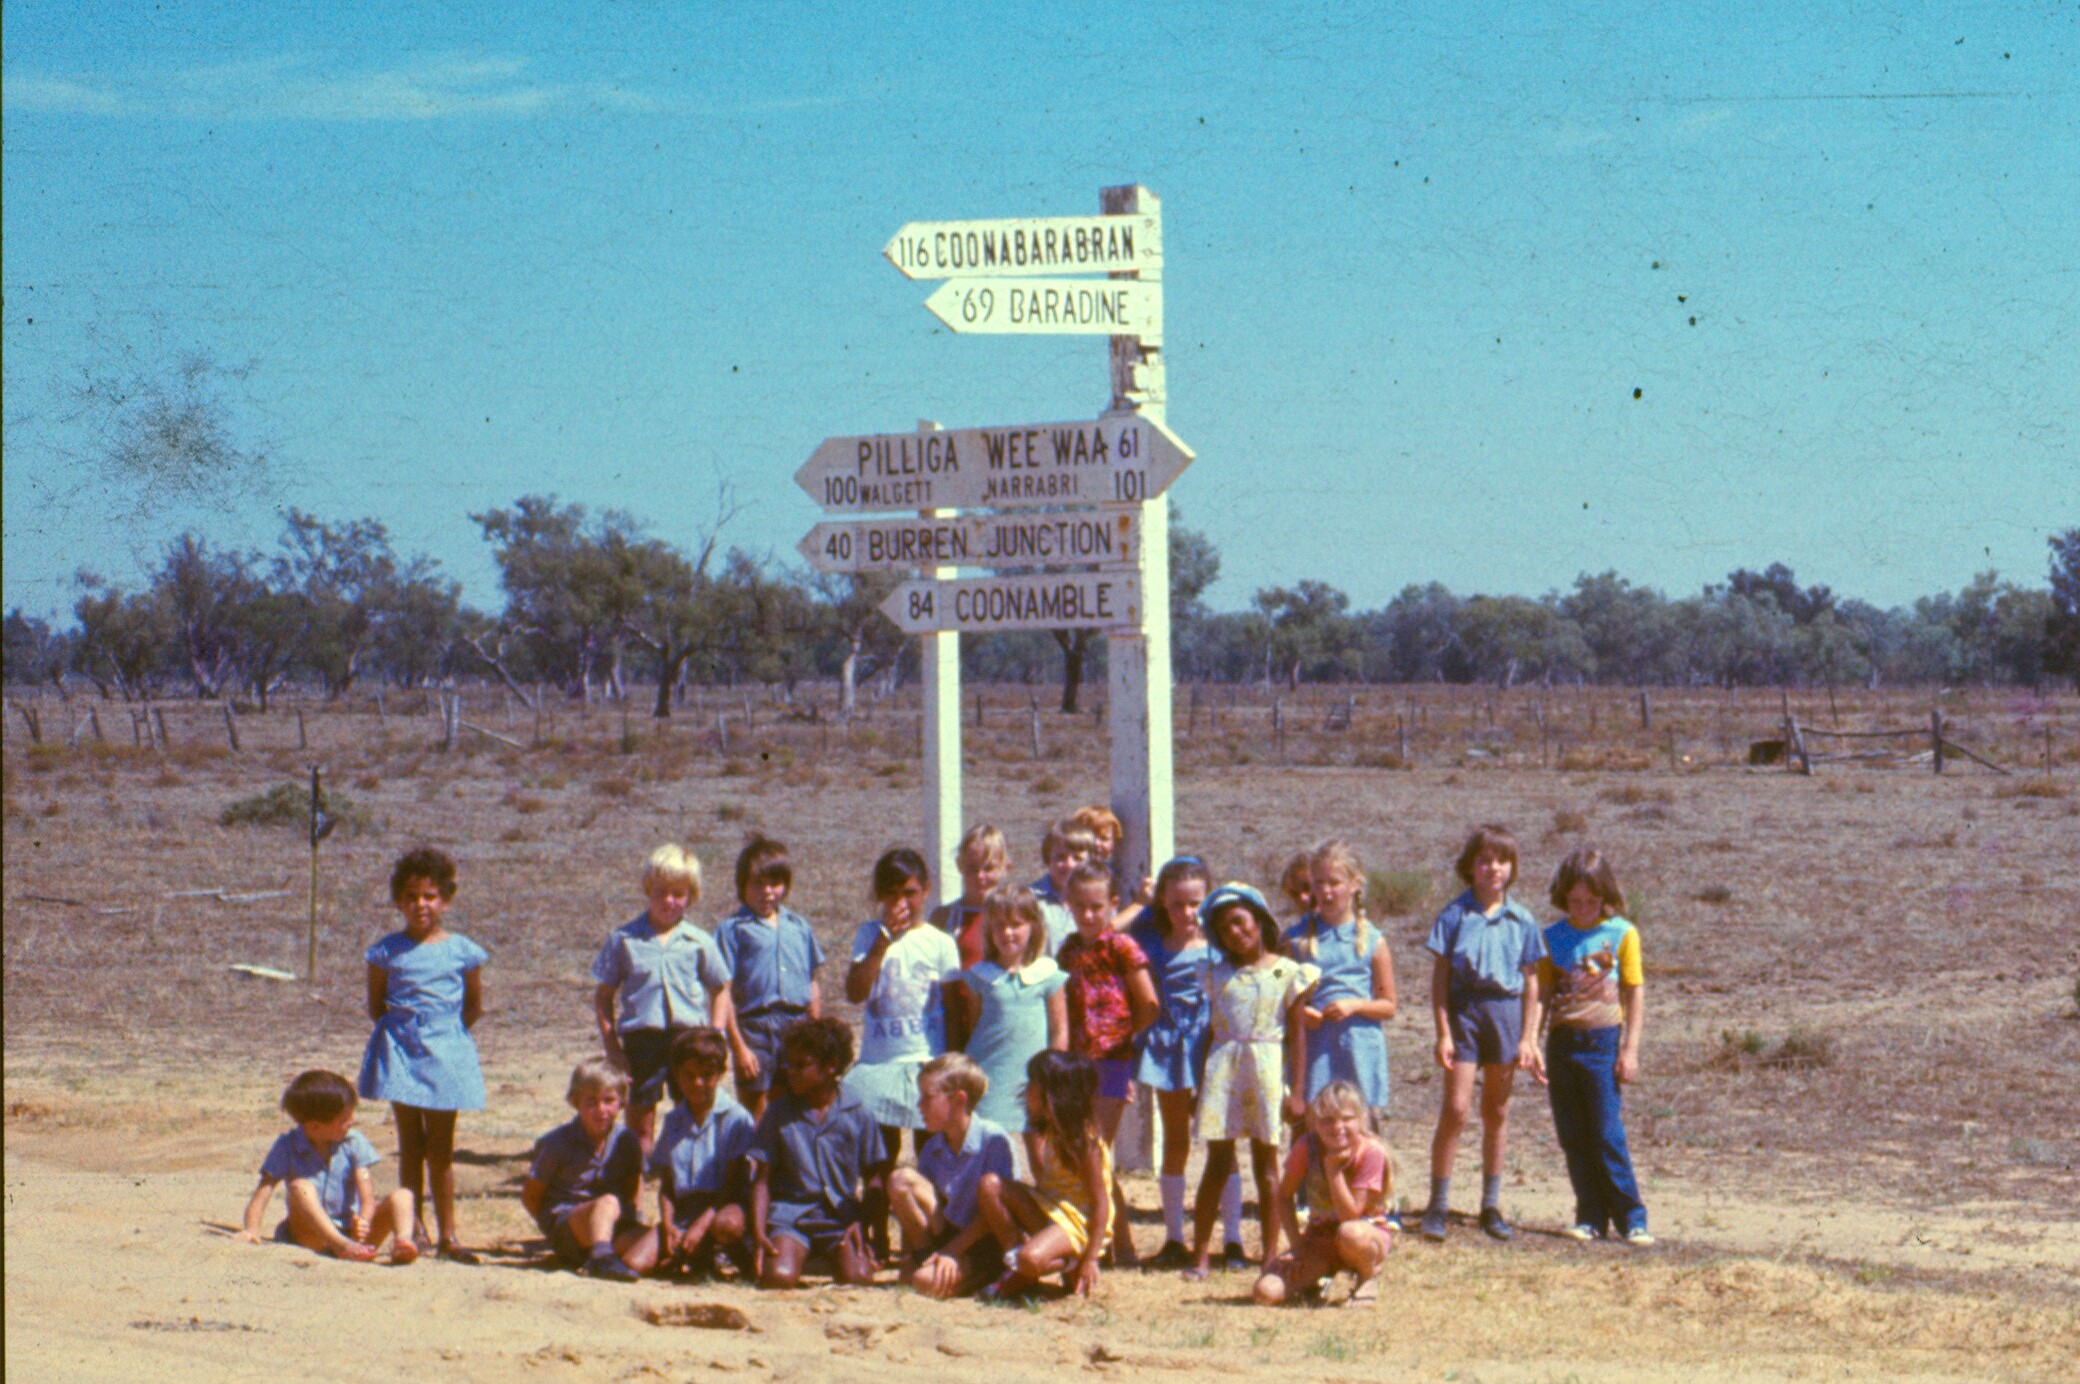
1452 1115
393 1218
642 1121
856 1264
1110 1110
1264 1164
1496 1082
440 1173
1362 1248
915 1204
1046 1251
637 1248
1290 1275
310 1227
1175 1110
411 1163
1008 1209
784 1265
1206 1208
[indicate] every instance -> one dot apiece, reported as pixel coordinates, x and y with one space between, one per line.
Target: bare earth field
1858 1128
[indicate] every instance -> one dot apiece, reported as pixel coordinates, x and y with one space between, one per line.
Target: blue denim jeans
1588 1117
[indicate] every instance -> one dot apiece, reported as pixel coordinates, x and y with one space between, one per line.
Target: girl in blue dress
1009 1006
1173 1049
1344 1019
424 995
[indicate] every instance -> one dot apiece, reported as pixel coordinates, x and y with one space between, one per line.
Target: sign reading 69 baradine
1121 458
1051 307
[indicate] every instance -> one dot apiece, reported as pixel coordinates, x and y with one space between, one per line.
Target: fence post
1646 711
1035 709
1191 724
722 730
1796 743
1401 739
978 711
1935 736
35 723
158 719
94 719
1278 726
382 716
303 734
230 727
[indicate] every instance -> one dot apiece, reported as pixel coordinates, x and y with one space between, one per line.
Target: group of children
1007 1030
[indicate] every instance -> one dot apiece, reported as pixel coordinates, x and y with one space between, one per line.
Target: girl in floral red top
1111 1000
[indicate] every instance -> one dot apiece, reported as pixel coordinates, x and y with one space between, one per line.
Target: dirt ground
1856 1128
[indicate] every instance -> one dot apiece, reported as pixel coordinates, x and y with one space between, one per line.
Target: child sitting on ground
935 1202
582 1186
331 1197
1063 1220
1345 1172
815 1154
699 1158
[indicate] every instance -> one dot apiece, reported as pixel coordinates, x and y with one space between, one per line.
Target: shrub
1801 1048
613 787
289 805
1567 822
1396 893
1631 795
1714 893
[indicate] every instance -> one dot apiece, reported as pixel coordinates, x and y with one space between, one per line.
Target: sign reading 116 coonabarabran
1121 458
1026 245
1110 538
984 605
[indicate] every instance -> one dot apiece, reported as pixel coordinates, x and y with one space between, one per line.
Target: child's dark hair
1184 868
1068 1089
1591 867
826 1042
703 1048
897 867
424 863
1267 931
763 861
1487 837
317 1096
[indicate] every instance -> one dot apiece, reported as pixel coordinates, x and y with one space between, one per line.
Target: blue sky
1418 265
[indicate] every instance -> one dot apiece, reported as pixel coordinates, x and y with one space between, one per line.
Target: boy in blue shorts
815 1156
935 1202
1484 1002
325 1161
582 1187
772 956
699 1159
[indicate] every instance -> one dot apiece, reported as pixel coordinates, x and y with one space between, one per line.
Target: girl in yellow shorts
1063 1224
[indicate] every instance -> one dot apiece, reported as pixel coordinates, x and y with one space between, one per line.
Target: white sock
1231 1210
1173 1207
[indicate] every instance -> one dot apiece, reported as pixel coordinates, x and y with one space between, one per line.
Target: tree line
594 604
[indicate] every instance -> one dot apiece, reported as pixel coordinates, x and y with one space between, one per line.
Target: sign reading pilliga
1122 458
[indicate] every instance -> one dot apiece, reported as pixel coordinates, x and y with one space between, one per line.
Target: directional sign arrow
1122 458
1017 246
1051 307
1107 538
982 605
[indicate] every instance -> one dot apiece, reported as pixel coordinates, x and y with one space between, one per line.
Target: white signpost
977 540
1013 246
1051 307
988 605
1122 458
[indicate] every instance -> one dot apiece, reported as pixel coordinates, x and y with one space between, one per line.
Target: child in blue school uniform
947 1247
662 974
1484 1003
700 1159
1597 1004
1010 1005
324 1163
585 1177
772 956
1345 1018
1066 846
816 1156
425 995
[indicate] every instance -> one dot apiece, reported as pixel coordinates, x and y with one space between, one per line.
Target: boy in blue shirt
699 1159
935 1202
582 1186
1484 1002
772 956
816 1155
325 1161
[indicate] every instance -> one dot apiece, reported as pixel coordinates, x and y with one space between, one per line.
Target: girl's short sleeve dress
420 1054
1245 1072
903 1023
1173 1050
1011 1028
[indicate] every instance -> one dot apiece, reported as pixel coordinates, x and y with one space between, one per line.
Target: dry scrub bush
1567 822
1631 795
1746 1049
1396 893
289 805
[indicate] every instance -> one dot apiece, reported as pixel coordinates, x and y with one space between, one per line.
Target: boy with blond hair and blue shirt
662 974
1484 1003
772 956
582 1186
935 1202
1068 844
324 1162
699 1158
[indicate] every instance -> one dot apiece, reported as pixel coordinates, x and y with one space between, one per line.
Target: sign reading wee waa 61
1122 458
